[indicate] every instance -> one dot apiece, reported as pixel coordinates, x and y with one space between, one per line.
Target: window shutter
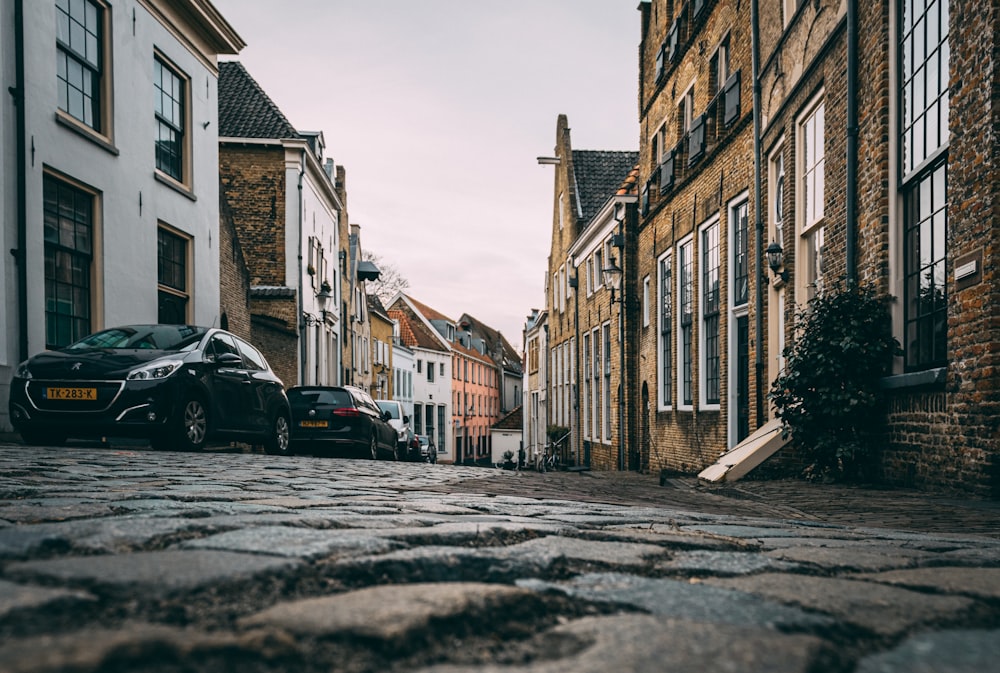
644 199
731 95
696 139
667 172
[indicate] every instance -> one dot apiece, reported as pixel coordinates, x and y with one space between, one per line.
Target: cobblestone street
127 559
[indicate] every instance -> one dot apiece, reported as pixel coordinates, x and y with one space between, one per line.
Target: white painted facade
430 397
131 200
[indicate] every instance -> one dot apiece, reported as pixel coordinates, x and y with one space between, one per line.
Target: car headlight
22 371
160 369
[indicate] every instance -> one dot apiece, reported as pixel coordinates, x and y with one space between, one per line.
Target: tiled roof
511 358
428 312
598 175
461 348
245 111
272 291
375 304
412 332
630 185
512 421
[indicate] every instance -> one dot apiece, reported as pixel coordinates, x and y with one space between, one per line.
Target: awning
368 271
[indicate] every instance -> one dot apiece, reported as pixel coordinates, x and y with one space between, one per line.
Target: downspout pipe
758 210
21 253
300 317
851 202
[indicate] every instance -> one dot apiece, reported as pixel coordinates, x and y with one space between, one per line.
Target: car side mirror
228 359
406 419
386 416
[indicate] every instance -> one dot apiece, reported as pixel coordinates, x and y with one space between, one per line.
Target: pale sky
438 109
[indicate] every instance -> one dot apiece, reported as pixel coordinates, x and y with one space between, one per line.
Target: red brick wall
234 278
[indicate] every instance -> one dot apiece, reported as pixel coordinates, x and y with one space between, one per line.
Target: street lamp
613 278
775 260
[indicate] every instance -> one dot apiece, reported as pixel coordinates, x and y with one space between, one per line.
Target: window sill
85 132
928 378
165 179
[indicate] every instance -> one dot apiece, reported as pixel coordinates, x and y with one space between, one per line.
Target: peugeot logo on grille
76 366
312 412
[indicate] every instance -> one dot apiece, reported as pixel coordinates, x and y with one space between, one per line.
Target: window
645 301
597 382
585 411
812 159
80 61
710 299
252 359
169 102
719 67
685 112
68 215
666 330
441 369
924 80
598 268
740 218
420 366
171 258
685 282
924 61
430 372
418 418
606 338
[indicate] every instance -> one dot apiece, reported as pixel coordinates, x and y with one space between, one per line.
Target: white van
400 423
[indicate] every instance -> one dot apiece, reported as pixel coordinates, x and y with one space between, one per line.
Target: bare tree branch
390 280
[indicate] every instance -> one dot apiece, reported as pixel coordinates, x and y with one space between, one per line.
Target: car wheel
396 455
193 431
373 447
278 443
42 438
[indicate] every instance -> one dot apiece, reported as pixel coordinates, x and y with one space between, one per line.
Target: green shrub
828 396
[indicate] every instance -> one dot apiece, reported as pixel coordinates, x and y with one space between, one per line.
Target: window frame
185 143
101 78
164 289
685 356
87 321
811 230
665 331
710 309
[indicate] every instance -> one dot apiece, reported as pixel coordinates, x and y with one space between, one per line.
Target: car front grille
73 396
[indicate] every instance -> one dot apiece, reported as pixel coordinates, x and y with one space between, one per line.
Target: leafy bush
828 396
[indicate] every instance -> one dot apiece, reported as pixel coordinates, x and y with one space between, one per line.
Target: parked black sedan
178 385
340 417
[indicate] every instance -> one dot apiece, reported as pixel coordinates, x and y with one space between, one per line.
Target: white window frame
679 355
810 226
702 355
661 404
645 301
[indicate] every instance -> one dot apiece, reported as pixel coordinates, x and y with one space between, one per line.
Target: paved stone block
305 543
943 652
978 582
650 644
153 572
881 609
137 644
870 557
723 562
388 612
681 600
20 596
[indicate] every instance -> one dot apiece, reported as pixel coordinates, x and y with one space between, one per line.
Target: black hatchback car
177 385
340 417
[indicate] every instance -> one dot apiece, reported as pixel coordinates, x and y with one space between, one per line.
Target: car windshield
333 396
159 337
391 407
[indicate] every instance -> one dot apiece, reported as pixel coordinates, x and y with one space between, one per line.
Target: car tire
42 438
193 426
373 447
278 442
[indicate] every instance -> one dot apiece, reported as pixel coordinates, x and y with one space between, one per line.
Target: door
228 383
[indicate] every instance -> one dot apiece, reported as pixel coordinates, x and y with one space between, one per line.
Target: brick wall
253 183
234 278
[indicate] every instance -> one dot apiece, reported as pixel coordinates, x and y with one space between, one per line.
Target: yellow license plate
313 424
71 393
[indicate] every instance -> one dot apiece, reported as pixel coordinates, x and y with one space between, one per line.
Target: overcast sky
438 109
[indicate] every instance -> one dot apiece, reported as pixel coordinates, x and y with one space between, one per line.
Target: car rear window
391 407
337 398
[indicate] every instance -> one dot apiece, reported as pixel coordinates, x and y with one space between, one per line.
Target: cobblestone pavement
126 559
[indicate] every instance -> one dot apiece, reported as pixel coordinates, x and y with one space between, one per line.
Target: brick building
582 225
695 392
286 212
